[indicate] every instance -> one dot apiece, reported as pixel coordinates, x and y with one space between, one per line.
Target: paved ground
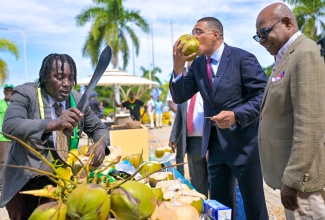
159 137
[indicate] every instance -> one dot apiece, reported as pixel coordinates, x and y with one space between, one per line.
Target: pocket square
278 77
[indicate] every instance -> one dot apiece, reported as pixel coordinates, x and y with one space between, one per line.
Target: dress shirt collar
52 102
285 47
216 56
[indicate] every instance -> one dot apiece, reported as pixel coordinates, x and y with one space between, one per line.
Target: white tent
118 78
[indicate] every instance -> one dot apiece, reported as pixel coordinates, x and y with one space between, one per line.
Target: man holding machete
37 115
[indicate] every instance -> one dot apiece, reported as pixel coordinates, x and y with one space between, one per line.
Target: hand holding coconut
186 48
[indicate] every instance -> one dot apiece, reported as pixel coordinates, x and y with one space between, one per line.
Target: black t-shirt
134 108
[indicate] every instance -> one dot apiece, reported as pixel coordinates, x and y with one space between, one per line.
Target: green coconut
133 201
135 159
149 167
88 202
158 193
51 210
160 151
193 44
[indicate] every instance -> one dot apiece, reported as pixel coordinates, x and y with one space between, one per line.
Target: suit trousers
3 152
21 206
311 206
224 177
197 165
180 155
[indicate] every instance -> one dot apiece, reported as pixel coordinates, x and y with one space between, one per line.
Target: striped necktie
61 138
209 69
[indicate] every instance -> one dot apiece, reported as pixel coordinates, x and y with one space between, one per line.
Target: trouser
3 152
21 206
158 120
197 165
311 206
152 122
223 181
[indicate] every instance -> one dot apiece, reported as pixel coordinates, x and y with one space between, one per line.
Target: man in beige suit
292 120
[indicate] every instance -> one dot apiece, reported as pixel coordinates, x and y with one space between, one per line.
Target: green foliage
6 46
111 24
310 16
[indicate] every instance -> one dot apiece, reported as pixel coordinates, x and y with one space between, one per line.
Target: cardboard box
216 211
130 140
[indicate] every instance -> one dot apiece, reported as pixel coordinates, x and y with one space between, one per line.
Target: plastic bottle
151 153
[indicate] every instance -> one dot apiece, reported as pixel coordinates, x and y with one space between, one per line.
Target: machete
103 62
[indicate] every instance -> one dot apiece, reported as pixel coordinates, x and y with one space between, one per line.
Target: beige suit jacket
292 120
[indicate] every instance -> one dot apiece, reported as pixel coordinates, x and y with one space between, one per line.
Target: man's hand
99 154
289 197
172 145
179 57
67 121
224 119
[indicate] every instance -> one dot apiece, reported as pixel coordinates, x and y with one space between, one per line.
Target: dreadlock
45 71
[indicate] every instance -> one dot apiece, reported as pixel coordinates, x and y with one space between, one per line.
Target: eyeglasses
264 33
198 32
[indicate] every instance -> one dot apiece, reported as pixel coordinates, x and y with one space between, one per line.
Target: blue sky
50 27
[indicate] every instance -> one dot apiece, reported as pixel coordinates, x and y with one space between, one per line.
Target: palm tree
111 25
6 46
153 73
309 15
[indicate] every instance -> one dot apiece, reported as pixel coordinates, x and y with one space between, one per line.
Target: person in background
155 92
170 102
292 121
95 105
38 114
151 111
159 105
231 83
188 126
134 106
4 142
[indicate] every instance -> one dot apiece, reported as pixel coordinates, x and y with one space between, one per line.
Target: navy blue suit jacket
238 86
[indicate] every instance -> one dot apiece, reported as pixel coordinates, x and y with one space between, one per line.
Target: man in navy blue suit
232 97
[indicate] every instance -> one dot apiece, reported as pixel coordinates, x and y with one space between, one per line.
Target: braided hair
45 71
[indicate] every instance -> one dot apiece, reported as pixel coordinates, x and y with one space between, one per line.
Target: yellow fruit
193 43
83 150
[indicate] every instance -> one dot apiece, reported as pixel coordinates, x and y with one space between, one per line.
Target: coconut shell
160 176
175 211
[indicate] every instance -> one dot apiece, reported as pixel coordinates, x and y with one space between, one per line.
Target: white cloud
50 27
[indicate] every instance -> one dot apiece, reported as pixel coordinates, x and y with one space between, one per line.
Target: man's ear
287 21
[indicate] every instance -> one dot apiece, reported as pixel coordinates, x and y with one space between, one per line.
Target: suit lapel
284 60
224 61
46 103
